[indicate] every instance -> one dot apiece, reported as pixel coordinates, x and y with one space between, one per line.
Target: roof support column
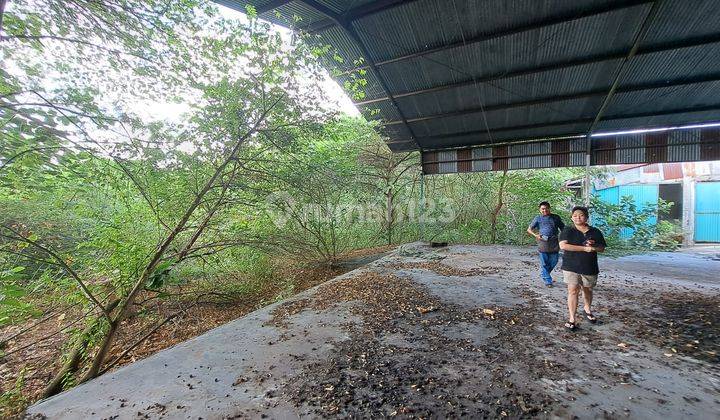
420 210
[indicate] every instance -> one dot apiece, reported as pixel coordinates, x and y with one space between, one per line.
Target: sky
332 89
169 111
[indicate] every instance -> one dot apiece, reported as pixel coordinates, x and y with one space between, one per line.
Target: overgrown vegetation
632 228
114 221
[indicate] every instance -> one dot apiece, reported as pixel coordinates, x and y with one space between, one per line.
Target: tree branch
3 3
59 107
49 336
61 262
26 151
146 336
71 40
165 244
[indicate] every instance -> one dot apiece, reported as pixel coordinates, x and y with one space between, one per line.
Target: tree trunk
498 207
73 362
150 268
389 214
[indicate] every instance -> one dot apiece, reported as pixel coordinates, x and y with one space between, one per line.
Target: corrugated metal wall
707 206
642 196
608 195
707 212
678 145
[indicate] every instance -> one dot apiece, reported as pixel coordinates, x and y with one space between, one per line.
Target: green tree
389 175
143 198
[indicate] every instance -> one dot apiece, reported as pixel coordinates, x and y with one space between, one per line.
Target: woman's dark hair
544 203
582 209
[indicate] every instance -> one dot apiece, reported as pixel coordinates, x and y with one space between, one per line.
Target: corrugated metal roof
684 19
595 77
657 100
482 137
681 62
444 22
520 69
521 116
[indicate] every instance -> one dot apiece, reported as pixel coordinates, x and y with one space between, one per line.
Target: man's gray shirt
549 227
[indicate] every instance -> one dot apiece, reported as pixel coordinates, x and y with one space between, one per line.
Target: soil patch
382 293
679 322
38 363
444 375
446 270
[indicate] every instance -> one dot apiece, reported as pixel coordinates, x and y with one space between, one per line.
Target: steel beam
704 108
524 140
559 98
687 110
500 107
506 128
564 152
599 58
642 30
355 14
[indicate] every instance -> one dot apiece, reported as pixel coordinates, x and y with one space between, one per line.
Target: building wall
642 196
659 173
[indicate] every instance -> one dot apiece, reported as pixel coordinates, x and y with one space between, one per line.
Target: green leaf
251 11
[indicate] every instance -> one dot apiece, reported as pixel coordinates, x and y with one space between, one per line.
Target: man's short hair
582 209
544 203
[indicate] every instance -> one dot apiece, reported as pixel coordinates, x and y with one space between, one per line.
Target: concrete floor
489 342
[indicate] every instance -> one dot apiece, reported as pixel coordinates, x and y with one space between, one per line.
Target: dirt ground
459 331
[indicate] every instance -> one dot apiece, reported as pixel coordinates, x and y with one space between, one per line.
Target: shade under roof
456 73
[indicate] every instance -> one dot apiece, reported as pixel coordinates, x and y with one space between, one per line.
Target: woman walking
580 243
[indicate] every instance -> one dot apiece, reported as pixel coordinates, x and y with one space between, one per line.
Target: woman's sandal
571 326
590 317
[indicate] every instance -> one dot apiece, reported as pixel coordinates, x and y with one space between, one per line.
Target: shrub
627 226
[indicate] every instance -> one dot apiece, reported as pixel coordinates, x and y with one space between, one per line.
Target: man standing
547 225
580 244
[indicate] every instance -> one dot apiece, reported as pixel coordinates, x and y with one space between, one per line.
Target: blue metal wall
707 212
608 195
642 196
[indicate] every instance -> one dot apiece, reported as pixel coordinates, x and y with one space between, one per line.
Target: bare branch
32 326
51 335
10 105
